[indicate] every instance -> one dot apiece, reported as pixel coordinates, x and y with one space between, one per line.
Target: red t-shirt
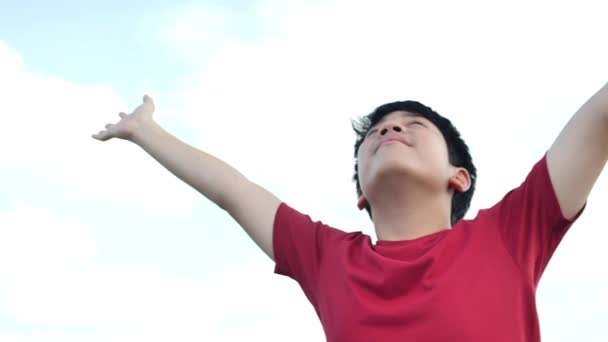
474 282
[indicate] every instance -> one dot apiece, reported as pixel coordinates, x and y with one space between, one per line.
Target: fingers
100 136
103 135
148 100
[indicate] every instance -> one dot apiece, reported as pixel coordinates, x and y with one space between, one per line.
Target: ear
362 203
461 180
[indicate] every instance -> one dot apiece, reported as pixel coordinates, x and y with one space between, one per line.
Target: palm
128 123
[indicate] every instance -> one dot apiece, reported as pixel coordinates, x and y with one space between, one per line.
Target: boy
431 276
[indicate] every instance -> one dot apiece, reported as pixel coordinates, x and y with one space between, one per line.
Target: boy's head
424 145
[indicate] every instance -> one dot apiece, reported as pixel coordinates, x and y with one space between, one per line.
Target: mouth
391 141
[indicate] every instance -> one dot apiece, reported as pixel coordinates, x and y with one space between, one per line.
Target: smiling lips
391 141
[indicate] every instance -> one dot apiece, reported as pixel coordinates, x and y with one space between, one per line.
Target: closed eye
416 123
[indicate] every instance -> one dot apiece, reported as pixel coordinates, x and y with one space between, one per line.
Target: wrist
145 131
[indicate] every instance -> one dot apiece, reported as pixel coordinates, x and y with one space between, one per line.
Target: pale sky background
99 243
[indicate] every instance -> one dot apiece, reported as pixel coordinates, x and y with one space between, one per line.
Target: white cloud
47 127
10 60
52 281
35 239
53 284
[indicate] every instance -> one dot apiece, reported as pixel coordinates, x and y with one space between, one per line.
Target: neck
408 213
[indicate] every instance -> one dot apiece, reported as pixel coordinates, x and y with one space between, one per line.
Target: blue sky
91 43
99 243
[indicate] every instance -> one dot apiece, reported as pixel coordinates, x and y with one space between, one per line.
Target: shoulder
290 218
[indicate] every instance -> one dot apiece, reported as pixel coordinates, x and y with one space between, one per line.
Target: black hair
458 151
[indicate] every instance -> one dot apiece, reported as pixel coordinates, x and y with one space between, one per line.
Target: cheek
363 166
437 157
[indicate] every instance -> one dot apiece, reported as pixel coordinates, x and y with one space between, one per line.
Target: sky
100 243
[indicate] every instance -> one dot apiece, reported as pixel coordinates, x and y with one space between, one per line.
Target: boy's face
406 145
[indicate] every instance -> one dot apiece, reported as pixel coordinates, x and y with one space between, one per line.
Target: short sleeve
530 222
299 244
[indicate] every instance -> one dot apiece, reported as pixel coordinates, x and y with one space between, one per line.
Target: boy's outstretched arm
578 155
253 207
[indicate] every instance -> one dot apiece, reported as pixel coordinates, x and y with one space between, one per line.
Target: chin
396 171
396 165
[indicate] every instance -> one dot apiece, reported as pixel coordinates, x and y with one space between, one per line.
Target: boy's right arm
252 206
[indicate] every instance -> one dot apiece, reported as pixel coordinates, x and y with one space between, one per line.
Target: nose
391 126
